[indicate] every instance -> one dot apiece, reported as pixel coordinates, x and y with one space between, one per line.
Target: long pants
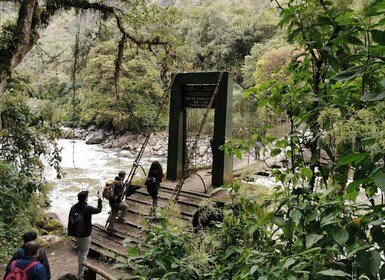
153 192
123 207
83 248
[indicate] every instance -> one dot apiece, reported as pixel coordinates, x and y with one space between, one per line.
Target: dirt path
62 257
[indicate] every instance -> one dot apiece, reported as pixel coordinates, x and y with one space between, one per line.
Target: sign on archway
195 90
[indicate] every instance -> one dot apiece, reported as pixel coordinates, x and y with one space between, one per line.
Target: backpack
109 190
151 183
19 274
76 224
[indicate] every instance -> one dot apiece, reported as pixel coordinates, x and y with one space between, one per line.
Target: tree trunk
24 39
30 19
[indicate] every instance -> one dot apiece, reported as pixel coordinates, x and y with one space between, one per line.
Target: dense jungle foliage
318 65
82 71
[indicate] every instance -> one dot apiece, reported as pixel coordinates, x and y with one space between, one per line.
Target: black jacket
87 214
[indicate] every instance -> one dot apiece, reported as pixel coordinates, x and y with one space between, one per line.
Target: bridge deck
111 245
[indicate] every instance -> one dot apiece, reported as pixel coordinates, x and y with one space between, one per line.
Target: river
87 167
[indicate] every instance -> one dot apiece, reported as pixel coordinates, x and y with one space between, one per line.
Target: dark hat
122 174
82 196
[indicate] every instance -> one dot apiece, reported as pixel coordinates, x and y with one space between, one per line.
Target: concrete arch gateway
195 90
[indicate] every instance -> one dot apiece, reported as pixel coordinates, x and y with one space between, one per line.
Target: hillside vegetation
211 36
315 65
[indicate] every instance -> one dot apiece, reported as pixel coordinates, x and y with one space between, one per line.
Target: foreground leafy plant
27 138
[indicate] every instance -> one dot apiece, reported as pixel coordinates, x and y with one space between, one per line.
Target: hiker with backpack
27 268
117 203
153 180
42 257
80 226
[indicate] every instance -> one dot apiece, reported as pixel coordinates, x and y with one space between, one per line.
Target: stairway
111 245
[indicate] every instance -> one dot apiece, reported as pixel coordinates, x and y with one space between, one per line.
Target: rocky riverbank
130 144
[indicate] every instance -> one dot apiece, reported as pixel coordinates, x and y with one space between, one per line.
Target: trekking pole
136 164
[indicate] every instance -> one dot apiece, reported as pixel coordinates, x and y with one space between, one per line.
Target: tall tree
32 16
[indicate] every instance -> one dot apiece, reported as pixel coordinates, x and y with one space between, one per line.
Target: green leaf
348 74
262 102
310 251
174 265
328 219
253 269
378 36
333 272
275 152
354 249
289 262
133 251
374 7
296 215
279 221
311 216
377 222
293 34
160 263
379 180
167 241
249 91
380 22
311 239
229 251
373 96
356 157
355 185
355 41
340 235
307 173
370 261
167 275
238 153
345 18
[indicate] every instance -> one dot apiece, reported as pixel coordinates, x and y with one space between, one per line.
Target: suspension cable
186 169
136 162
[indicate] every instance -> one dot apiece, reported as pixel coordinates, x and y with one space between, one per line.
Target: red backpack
18 273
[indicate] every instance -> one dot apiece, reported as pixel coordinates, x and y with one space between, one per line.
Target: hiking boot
121 220
110 230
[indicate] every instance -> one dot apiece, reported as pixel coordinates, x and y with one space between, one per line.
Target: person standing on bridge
116 202
153 180
80 226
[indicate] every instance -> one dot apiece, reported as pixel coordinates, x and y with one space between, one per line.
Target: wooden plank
96 248
119 235
110 245
99 271
186 193
168 188
186 209
140 204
